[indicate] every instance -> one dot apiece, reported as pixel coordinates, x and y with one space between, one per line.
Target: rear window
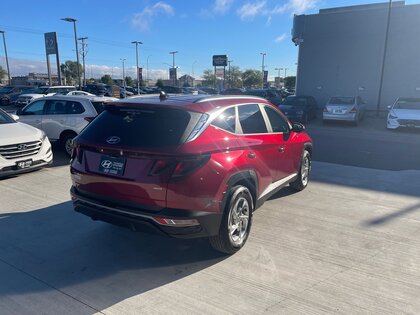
99 106
146 128
342 100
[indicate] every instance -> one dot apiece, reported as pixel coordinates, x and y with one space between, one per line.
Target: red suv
187 165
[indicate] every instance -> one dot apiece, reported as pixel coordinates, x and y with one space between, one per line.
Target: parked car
75 93
97 89
9 94
347 108
299 108
171 89
187 165
22 147
405 112
269 94
62 117
208 90
233 91
25 99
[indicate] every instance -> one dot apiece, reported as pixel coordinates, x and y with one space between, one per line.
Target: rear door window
226 120
141 127
55 107
277 121
99 106
251 119
74 108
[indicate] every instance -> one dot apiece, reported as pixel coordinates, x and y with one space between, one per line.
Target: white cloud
281 38
142 20
296 6
250 10
222 6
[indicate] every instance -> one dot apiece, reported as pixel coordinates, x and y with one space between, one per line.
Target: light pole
230 78
173 64
262 69
123 74
137 65
7 59
147 69
77 48
278 69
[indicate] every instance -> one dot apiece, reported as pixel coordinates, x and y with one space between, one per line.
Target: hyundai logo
22 147
113 140
106 164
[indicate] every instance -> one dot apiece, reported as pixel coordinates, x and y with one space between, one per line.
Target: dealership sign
220 60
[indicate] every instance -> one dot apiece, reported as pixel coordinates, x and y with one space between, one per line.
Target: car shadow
66 251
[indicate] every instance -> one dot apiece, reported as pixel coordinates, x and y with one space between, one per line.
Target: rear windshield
342 100
407 104
146 128
99 106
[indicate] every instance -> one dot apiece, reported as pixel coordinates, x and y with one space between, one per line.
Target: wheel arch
67 132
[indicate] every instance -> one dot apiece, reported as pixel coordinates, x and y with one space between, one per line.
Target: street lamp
147 69
262 68
173 64
7 59
137 65
77 48
123 74
279 69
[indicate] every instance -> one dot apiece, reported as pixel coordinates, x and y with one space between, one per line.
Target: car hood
407 113
18 133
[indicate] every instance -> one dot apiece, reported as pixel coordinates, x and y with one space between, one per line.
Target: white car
22 147
25 99
63 117
405 112
344 108
82 93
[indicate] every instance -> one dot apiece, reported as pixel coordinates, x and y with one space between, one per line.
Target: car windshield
147 128
4 118
295 101
407 103
40 90
342 100
6 89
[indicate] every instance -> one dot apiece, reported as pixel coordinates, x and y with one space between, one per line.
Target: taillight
89 119
325 110
353 110
186 166
160 165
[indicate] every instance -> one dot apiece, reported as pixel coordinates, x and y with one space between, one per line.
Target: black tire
66 142
302 180
224 242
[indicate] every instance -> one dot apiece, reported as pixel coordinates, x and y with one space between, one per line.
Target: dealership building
349 51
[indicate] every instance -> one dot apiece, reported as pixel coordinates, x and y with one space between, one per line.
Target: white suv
25 99
62 117
22 147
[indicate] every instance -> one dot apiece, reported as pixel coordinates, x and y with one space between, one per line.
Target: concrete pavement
348 244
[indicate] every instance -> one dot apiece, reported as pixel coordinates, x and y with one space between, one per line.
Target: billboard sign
265 78
220 60
140 76
51 46
172 74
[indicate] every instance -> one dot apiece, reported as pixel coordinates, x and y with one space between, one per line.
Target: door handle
282 149
251 155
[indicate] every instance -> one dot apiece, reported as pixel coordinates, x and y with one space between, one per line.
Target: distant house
186 80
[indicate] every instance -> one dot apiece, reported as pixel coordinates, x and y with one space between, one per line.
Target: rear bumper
340 117
171 222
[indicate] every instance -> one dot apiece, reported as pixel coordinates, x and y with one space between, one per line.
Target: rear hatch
130 154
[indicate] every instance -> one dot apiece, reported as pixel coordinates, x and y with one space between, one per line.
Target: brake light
89 119
159 166
186 166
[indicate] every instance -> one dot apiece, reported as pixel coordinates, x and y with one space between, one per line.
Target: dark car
208 90
233 91
187 165
9 94
268 94
171 89
299 108
97 89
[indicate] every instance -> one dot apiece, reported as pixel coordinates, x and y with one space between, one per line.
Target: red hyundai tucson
187 166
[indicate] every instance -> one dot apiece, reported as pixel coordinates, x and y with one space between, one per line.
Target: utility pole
262 69
7 59
173 65
77 48
285 71
84 52
123 75
137 64
230 78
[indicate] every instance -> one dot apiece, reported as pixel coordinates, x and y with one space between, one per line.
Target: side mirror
15 117
298 127
18 112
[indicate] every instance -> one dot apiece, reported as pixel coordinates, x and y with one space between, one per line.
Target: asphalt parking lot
348 244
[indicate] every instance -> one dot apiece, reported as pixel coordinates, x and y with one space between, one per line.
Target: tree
129 81
3 73
69 69
159 83
106 79
208 78
251 78
235 80
289 82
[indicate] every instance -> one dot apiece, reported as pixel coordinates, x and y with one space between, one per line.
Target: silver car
345 108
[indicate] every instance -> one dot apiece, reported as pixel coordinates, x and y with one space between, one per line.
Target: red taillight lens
89 119
159 166
186 166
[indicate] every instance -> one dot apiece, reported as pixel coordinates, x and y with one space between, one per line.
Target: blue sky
196 29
